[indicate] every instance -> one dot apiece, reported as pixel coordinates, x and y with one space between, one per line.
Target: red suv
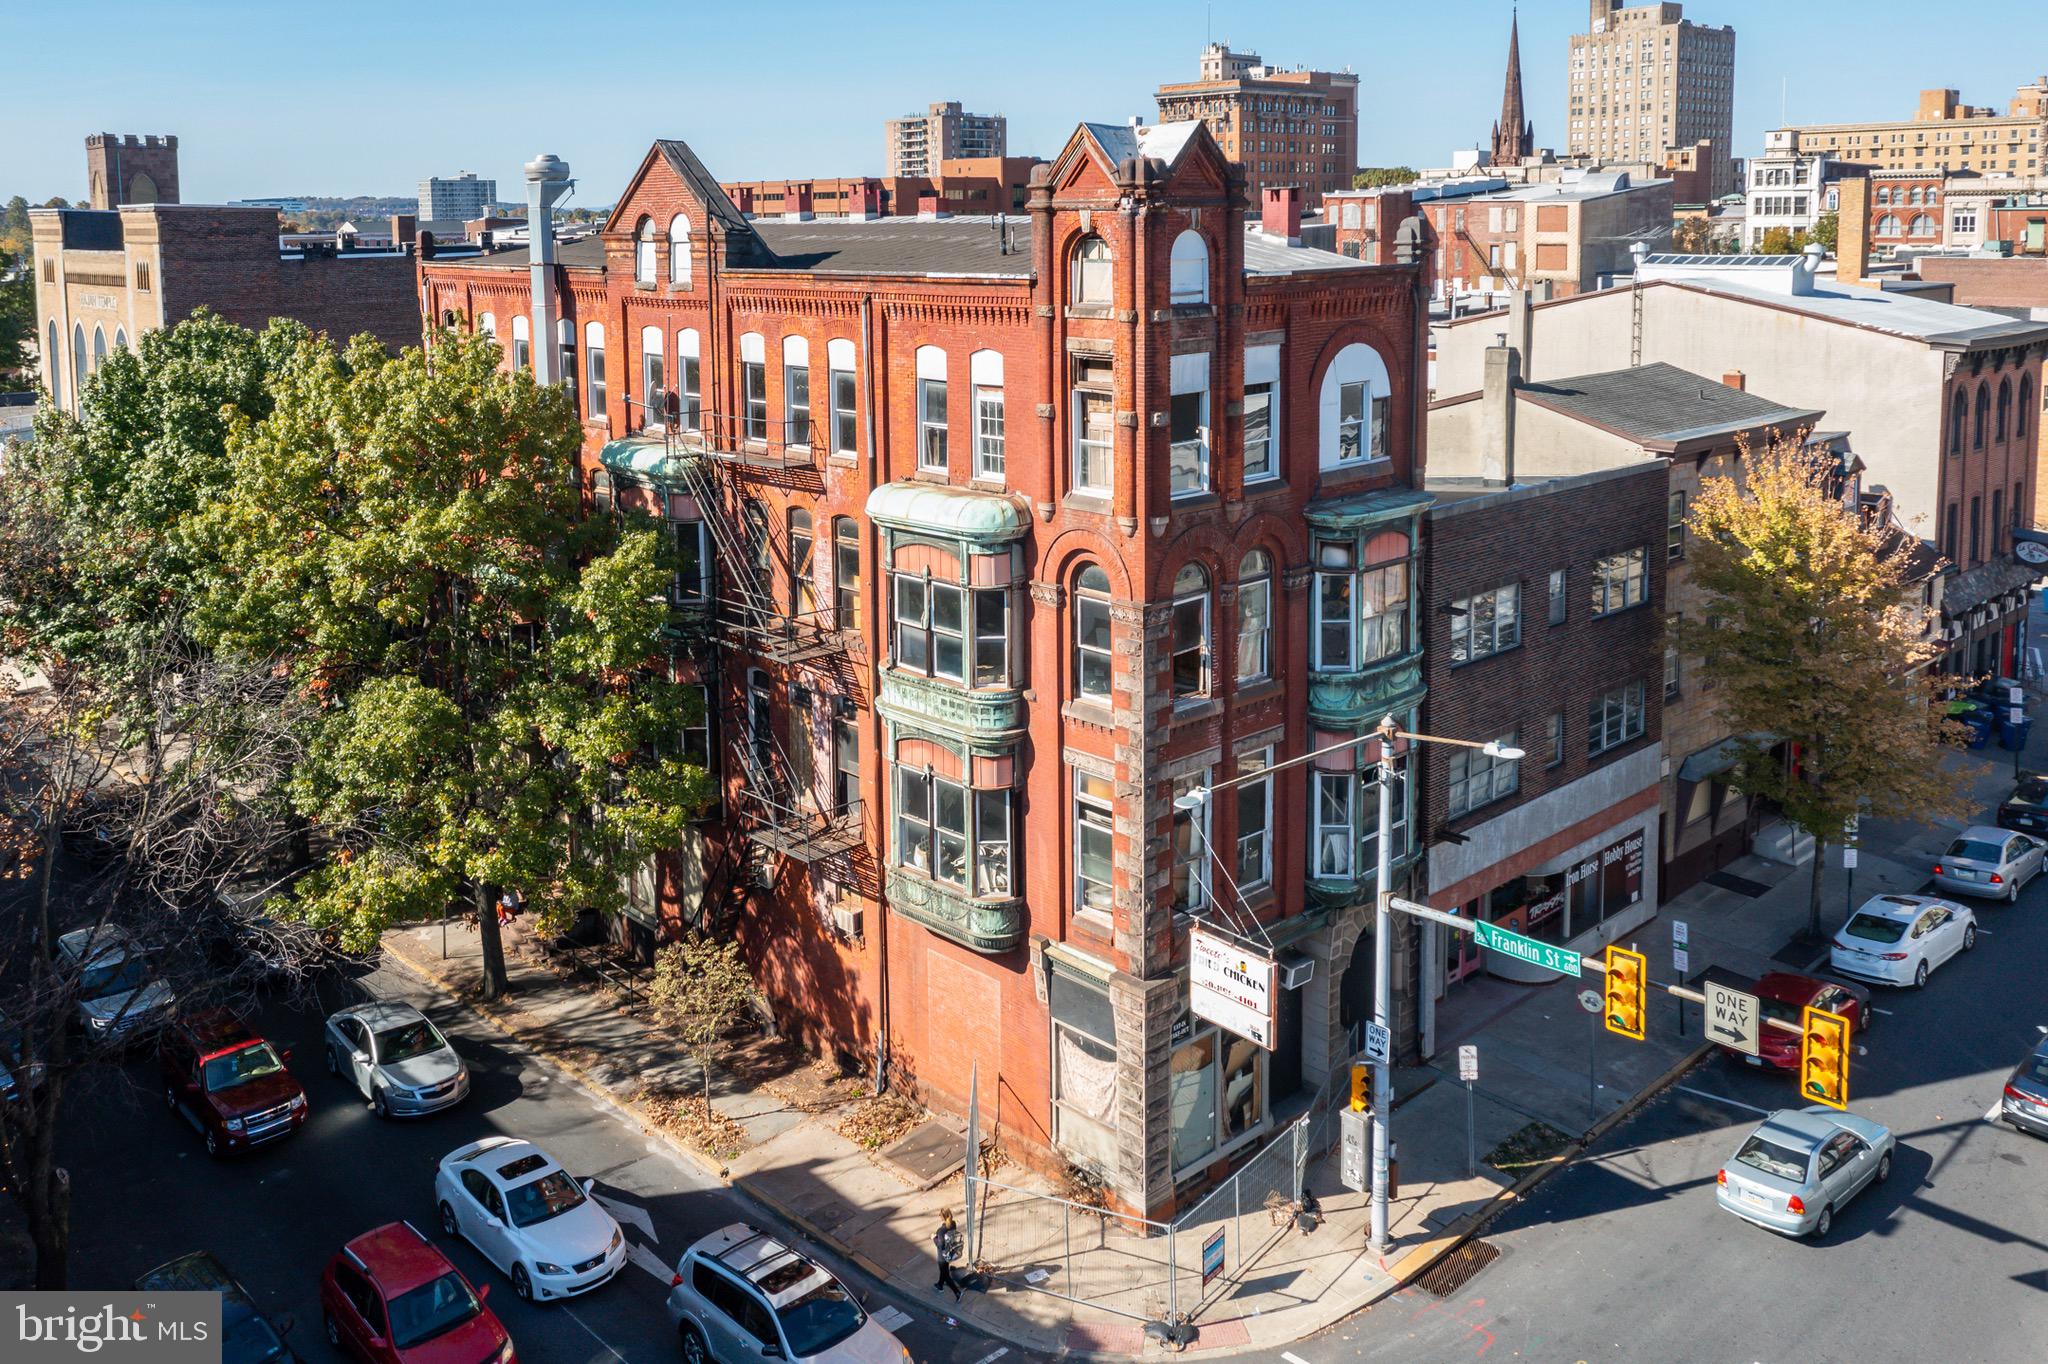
390 1297
228 1082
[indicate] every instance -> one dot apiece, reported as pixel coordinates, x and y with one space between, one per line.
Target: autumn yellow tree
1820 660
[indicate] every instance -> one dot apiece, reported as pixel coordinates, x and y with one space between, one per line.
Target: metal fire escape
775 805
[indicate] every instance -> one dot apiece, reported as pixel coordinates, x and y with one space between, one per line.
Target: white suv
740 1295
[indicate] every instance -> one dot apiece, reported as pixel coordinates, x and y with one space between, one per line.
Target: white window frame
1188 456
565 353
933 454
1189 883
1094 820
1204 645
1620 581
1090 453
690 378
1088 601
1094 272
643 252
1262 378
1188 269
1333 842
679 251
1356 364
593 370
1486 623
839 365
985 371
754 387
1476 778
1254 869
1255 603
1615 718
522 342
796 373
653 373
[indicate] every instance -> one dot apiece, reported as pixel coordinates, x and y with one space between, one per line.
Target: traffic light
1824 1057
1628 981
1361 1086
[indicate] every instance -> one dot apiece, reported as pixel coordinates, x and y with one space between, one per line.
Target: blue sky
271 99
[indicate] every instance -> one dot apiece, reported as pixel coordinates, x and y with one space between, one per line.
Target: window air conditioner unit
1296 972
847 922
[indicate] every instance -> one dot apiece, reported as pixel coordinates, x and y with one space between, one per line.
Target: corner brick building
1001 539
107 274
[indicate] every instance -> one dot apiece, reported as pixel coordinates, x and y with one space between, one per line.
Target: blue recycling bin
1980 725
2013 737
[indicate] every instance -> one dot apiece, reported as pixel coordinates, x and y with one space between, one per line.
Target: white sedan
1899 939
517 1205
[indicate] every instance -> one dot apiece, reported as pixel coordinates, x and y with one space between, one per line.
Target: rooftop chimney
1852 230
928 206
1497 419
743 199
547 180
1736 380
796 202
1280 212
864 200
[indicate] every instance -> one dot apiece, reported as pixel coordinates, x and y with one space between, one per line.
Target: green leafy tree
17 234
90 552
1827 229
1373 177
17 320
1781 241
1820 649
701 991
407 535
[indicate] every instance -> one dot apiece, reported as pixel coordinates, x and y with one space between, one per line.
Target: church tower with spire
1514 137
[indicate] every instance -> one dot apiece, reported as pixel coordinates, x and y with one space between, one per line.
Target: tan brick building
1284 127
1943 134
917 143
1645 80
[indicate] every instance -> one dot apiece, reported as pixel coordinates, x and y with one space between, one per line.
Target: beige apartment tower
1944 134
1645 81
917 143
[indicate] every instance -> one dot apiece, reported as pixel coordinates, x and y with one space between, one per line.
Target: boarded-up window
1553 218
1550 256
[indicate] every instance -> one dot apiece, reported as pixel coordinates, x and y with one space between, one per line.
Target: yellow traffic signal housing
1627 988
1824 1057
1361 1086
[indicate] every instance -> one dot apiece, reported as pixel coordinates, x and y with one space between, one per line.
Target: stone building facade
1019 536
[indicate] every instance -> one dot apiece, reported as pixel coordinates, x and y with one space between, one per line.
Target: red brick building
1017 536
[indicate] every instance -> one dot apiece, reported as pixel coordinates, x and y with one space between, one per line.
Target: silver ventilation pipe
547 180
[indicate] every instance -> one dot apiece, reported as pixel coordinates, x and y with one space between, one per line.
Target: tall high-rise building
1514 137
1943 134
1645 80
1284 127
460 199
917 143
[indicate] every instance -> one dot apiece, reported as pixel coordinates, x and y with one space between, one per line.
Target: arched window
1190 633
1884 195
845 573
931 409
522 342
2004 407
1888 226
99 348
1255 617
120 339
679 251
593 371
2019 419
565 343
1091 634
1921 226
1190 269
1354 408
1983 416
803 591
1913 195
653 375
796 391
1958 421
754 386
487 325
643 252
53 362
1093 272
689 350
78 369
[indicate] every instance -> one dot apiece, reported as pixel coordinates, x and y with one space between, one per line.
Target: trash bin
2013 737
1980 725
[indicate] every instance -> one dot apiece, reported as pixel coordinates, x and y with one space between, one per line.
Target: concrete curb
1419 1260
584 1080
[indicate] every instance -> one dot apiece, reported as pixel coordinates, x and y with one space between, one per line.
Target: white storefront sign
1231 986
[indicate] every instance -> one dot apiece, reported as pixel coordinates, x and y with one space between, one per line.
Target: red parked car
228 1082
390 1297
1784 995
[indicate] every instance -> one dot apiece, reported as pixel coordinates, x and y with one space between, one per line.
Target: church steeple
1514 137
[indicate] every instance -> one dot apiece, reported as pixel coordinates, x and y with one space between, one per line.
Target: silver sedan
395 1056
1989 861
1802 1166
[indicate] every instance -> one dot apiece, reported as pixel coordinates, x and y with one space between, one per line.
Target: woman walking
948 1242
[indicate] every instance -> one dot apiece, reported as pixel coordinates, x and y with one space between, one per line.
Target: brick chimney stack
1852 231
1280 212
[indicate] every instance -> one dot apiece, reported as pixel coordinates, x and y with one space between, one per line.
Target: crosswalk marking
892 1316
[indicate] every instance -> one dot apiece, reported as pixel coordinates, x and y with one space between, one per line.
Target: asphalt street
1626 1256
144 1192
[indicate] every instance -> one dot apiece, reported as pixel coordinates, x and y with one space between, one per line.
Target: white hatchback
516 1204
1900 939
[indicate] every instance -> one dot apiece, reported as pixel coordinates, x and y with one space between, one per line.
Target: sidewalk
1533 1107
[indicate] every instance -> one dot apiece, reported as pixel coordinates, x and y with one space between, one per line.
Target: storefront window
1216 1095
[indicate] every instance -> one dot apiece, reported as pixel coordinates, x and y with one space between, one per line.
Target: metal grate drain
1456 1269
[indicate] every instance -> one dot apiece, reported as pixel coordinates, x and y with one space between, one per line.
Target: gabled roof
702 184
1119 142
1661 406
